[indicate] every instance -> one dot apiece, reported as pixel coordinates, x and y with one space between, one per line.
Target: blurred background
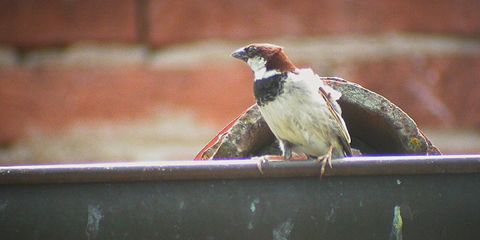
126 80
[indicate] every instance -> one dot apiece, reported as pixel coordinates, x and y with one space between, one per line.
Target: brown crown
275 57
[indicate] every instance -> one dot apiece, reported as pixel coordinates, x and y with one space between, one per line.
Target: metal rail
235 169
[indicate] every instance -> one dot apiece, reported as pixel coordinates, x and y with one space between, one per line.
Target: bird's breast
268 89
301 117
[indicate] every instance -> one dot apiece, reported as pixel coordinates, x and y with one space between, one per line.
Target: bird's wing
330 96
344 136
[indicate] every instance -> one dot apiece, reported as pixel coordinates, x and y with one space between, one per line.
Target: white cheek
258 65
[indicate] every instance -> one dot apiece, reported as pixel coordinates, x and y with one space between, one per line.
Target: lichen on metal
376 125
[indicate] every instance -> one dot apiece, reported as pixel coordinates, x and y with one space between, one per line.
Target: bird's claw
265 160
260 162
327 158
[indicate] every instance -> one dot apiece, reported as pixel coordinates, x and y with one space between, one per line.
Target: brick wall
118 61
33 23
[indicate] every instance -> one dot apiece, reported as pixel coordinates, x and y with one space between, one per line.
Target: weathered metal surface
432 197
375 121
250 133
375 124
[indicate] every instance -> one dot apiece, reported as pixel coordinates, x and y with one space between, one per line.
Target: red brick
49 99
31 23
173 21
436 91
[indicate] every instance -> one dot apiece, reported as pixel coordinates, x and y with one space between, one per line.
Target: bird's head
264 59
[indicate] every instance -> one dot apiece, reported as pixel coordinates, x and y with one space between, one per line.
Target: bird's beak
240 54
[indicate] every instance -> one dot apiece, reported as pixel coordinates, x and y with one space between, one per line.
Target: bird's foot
264 160
327 158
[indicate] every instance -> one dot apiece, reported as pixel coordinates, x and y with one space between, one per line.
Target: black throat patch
267 89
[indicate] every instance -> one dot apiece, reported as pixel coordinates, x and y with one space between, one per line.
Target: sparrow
300 109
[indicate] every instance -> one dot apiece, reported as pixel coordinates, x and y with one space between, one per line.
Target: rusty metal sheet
376 125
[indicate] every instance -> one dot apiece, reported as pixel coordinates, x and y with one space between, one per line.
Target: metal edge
236 169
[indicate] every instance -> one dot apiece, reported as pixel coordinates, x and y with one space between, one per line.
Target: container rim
112 172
